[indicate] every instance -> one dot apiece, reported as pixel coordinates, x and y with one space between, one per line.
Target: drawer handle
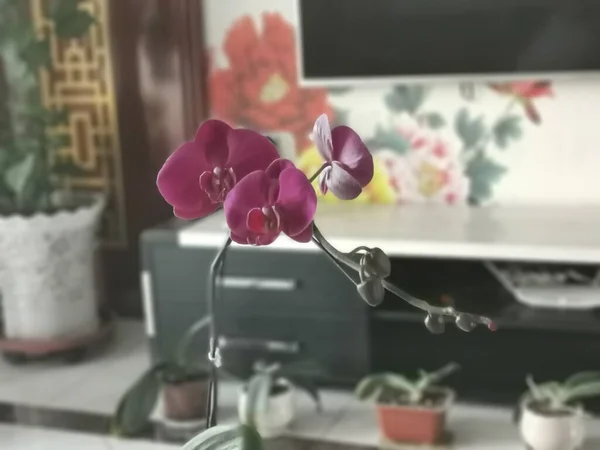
262 284
259 344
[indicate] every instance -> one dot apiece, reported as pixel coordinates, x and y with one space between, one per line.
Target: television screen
357 39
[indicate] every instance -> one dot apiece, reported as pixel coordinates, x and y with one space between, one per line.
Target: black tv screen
351 39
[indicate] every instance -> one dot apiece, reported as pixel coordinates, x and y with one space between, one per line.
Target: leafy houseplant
184 388
271 389
46 231
409 410
550 416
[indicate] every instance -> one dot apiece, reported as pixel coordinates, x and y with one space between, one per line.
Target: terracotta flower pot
415 424
185 400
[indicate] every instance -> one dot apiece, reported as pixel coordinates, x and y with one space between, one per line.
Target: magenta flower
267 203
349 163
199 175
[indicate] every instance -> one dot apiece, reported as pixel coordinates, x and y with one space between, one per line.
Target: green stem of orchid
318 172
346 259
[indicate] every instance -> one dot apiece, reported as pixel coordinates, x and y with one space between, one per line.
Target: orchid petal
350 150
201 210
305 235
248 194
297 201
178 181
212 137
323 177
322 137
249 151
343 185
278 166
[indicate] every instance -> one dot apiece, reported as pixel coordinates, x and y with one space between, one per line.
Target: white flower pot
559 432
278 415
47 282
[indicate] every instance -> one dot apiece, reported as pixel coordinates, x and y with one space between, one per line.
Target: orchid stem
216 268
318 172
344 258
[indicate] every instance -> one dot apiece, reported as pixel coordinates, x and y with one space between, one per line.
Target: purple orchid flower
199 175
349 163
266 203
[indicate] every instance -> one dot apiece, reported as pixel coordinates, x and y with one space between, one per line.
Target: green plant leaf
221 437
434 120
483 173
470 129
582 377
585 390
36 54
257 391
506 130
370 387
251 439
399 382
392 140
440 374
18 175
134 408
406 98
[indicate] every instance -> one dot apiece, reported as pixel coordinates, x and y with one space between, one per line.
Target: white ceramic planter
279 413
542 432
47 278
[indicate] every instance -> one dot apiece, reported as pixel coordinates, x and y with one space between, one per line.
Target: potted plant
47 231
412 411
270 392
184 385
551 417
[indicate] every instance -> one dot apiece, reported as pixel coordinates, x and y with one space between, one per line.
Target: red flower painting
260 87
525 92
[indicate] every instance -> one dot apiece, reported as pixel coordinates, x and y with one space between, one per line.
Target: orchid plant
264 196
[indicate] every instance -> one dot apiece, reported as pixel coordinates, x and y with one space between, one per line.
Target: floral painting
423 153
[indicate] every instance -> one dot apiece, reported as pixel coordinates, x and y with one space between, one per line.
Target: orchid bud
435 324
378 263
371 291
465 322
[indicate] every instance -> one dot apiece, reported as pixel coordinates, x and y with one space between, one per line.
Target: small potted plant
551 417
266 400
184 386
412 411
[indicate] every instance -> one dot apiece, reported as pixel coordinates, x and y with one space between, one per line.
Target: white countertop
526 233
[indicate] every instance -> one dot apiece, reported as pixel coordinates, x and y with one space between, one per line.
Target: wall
523 142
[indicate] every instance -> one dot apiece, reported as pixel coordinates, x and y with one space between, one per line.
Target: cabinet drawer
340 347
286 283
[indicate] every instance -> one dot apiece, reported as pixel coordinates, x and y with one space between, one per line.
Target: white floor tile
25 438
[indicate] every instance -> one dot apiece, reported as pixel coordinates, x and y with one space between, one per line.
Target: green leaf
582 377
134 408
483 173
68 168
391 140
251 440
75 25
585 390
17 176
221 437
370 387
257 392
470 130
399 382
406 98
36 54
440 374
434 120
506 130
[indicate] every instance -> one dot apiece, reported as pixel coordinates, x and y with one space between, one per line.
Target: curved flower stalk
264 196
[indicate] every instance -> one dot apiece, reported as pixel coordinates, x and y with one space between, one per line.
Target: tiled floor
95 385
